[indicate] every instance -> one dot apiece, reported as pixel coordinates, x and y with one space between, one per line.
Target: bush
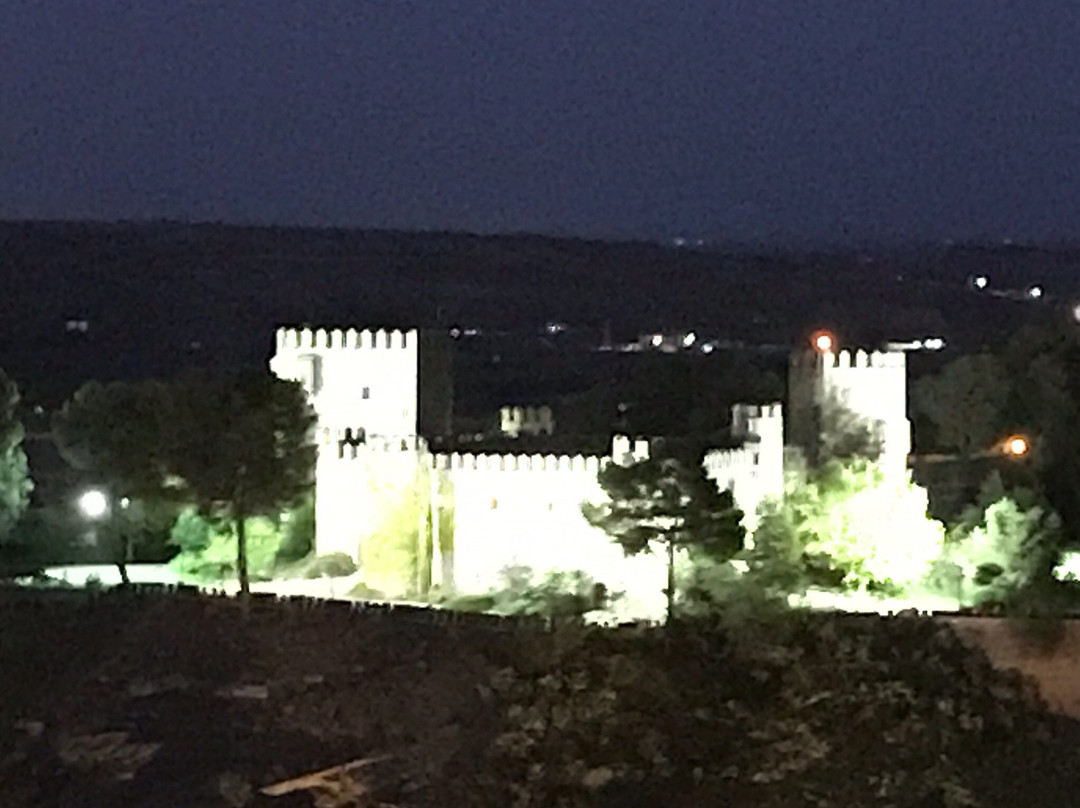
335 565
555 594
217 560
1003 550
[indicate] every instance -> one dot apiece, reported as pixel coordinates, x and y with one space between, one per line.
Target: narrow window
365 393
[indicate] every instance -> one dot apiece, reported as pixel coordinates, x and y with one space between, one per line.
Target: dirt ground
178 699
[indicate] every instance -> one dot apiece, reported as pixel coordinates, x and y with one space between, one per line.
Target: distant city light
1035 292
689 339
981 281
93 504
1076 312
1017 446
707 348
657 340
822 341
934 344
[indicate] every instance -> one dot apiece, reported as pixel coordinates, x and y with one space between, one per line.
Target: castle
393 494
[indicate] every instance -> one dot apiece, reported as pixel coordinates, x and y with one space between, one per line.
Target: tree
965 402
1003 545
660 504
122 435
844 526
245 449
845 435
15 483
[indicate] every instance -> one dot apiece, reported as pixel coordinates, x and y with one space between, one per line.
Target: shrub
335 565
217 559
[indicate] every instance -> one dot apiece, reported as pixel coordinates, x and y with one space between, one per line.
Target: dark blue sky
743 119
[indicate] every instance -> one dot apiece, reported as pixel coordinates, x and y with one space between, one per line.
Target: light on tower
822 341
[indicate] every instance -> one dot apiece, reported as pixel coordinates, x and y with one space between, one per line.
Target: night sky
793 119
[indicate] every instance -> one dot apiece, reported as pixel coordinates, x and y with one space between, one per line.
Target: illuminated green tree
244 449
15 483
845 526
662 504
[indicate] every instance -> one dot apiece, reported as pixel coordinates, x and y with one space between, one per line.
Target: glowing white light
125 502
93 504
657 340
689 339
707 348
1076 312
1035 292
823 341
1017 446
934 344
981 282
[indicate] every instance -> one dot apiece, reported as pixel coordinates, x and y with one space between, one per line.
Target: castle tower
377 395
755 470
389 384
872 385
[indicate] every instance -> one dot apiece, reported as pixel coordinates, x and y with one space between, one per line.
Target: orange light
1016 446
822 341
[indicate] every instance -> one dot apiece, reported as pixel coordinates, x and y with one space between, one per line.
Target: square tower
385 383
872 385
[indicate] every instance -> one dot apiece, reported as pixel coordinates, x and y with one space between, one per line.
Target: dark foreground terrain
173 699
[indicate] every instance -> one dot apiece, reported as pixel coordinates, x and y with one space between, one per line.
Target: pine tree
661 504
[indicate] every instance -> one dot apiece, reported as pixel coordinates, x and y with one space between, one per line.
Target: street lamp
1016 446
93 504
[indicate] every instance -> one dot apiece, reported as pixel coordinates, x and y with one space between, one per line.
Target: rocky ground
176 699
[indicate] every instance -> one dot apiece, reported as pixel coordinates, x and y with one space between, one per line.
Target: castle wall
365 494
519 510
754 471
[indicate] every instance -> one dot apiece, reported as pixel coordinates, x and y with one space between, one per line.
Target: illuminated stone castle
415 516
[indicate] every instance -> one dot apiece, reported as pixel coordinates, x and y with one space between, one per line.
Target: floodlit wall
754 471
525 510
872 384
367 379
359 488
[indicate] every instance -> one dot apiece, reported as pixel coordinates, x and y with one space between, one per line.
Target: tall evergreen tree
661 504
244 448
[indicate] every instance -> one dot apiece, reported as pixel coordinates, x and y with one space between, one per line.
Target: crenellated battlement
871 359
516 462
293 339
847 359
351 443
727 459
756 411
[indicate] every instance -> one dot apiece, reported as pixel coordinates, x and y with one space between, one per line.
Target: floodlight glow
689 339
93 504
1017 446
1035 292
822 341
981 282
